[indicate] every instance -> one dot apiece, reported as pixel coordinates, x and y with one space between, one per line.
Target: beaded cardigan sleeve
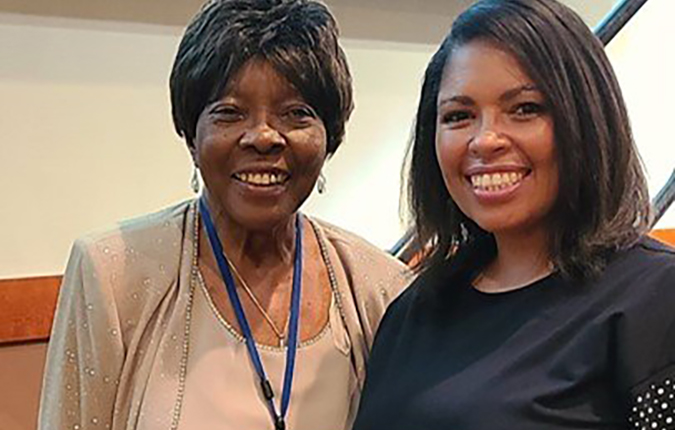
120 322
82 369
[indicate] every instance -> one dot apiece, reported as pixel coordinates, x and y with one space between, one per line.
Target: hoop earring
194 181
321 183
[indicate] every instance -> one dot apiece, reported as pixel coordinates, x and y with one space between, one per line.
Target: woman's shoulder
359 252
644 268
124 272
372 277
137 255
424 296
144 233
635 281
641 305
651 252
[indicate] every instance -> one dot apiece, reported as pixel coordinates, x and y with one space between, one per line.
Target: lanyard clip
267 391
279 423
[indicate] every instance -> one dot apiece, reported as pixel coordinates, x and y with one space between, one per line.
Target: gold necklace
281 336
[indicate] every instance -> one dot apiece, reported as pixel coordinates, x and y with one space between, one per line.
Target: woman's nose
263 137
489 140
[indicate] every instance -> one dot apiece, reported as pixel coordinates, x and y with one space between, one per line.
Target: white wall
644 61
363 179
87 137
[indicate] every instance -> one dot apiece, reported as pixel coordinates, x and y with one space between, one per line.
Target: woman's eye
301 113
228 114
528 109
456 118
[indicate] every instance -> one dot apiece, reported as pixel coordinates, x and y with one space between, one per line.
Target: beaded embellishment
654 408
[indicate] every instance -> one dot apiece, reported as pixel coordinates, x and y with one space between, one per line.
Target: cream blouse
324 385
136 344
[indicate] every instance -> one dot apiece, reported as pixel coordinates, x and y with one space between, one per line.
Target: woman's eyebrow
461 99
514 92
506 96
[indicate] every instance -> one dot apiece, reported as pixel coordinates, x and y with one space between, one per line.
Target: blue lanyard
266 387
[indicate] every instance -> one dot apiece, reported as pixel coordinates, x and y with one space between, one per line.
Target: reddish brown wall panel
27 308
21 367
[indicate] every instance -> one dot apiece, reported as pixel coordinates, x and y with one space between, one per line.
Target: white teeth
485 180
495 181
261 178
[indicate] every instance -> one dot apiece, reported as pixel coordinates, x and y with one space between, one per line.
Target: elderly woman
540 304
231 311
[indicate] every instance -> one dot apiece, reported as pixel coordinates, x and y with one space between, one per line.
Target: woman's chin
499 224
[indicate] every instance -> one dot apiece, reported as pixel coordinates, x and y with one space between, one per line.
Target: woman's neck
254 249
522 258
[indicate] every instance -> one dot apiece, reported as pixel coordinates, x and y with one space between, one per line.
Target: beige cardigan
124 307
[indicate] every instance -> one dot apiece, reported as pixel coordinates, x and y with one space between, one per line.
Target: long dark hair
602 203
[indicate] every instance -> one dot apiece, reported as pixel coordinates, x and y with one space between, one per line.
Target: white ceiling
421 21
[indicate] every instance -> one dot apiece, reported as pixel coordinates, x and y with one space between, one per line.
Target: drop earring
321 184
194 182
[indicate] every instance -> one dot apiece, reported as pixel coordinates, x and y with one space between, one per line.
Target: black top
552 355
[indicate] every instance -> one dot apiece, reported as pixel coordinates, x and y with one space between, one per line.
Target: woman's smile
497 184
495 142
269 184
262 178
260 147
